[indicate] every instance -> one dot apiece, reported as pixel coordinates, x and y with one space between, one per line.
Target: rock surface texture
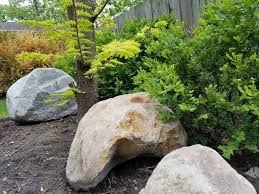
26 98
196 169
116 130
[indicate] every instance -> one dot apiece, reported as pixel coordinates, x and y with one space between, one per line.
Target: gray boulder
196 169
26 98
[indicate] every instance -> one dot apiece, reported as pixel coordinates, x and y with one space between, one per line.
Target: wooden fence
187 11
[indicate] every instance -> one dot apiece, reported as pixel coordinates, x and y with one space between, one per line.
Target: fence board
187 11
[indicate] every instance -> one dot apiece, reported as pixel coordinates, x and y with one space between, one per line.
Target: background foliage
41 10
32 10
118 6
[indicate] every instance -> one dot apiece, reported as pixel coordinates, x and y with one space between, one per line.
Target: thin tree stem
77 32
100 10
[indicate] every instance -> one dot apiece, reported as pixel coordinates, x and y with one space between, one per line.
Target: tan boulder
117 130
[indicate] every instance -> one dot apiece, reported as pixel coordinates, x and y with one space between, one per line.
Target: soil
33 160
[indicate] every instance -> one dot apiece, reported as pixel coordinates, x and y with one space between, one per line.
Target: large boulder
27 97
116 130
196 169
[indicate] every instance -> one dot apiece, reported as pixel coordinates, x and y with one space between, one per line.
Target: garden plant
208 78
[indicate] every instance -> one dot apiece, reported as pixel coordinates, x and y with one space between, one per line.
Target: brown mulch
33 160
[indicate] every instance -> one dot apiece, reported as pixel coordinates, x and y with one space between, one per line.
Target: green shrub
211 80
103 37
66 62
119 79
132 27
113 67
112 52
3 108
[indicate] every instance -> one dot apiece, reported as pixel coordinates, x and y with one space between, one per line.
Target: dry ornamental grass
13 44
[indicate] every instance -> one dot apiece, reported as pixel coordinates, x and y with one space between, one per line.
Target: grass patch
3 108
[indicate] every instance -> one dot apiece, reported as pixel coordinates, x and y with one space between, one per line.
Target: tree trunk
88 86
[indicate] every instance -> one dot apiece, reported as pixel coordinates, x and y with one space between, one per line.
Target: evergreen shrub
209 78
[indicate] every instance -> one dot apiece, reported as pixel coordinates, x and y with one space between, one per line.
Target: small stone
253 172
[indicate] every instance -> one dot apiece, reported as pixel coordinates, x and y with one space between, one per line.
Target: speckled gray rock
196 169
25 98
117 130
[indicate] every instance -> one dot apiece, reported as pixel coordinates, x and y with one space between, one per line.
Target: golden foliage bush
15 61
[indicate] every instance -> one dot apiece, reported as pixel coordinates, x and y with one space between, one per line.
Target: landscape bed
34 157
206 78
